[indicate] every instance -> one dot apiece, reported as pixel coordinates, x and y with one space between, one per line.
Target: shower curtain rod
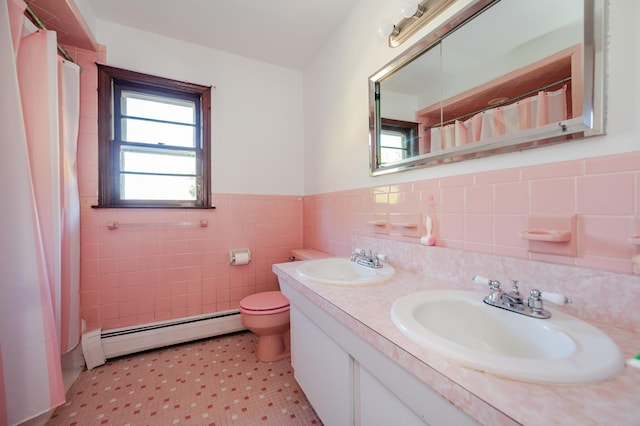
38 22
504 102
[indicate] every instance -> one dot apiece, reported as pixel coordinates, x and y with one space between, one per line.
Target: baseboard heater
100 345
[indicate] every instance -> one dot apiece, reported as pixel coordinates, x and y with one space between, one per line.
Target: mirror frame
589 124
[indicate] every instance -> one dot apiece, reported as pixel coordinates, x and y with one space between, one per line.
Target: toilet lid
265 301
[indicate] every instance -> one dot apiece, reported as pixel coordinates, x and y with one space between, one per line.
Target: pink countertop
489 399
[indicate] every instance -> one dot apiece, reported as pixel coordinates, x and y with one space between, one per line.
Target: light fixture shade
385 28
408 8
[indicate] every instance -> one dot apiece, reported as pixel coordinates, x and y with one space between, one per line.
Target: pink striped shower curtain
39 317
544 108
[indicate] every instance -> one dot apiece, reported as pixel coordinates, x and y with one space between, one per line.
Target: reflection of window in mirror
398 140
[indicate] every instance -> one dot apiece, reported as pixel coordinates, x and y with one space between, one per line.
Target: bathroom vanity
357 368
349 382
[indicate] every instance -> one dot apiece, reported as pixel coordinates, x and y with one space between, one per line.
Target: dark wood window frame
409 130
108 167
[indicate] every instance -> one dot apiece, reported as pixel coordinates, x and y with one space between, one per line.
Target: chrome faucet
371 260
512 298
514 302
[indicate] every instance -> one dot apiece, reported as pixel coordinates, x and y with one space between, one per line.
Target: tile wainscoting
486 212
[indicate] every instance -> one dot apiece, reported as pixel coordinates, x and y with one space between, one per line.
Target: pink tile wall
140 274
136 275
485 212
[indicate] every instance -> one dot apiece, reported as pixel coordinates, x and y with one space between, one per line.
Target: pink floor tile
209 382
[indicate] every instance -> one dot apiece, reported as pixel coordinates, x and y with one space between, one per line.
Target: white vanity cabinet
349 382
378 406
323 369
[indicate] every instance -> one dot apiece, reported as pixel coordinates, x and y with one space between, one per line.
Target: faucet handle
535 304
494 289
555 298
377 258
515 291
493 284
480 280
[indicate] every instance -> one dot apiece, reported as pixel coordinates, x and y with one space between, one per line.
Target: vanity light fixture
416 14
411 8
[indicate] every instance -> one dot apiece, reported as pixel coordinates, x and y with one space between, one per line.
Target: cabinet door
323 369
378 406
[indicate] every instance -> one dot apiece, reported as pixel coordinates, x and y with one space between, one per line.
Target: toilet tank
309 254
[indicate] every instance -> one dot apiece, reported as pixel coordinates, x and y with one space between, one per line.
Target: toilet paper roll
239 257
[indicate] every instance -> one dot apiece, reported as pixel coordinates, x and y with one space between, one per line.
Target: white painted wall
398 106
277 131
88 14
336 112
257 121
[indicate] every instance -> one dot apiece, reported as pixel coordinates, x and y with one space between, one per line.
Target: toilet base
274 347
266 315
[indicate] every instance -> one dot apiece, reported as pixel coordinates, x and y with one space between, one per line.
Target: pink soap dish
549 235
404 224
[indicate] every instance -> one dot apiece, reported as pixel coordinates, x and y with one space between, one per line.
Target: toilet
267 315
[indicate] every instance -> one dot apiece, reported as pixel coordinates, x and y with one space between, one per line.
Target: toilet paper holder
239 256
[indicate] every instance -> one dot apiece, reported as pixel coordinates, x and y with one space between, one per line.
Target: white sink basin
340 271
458 325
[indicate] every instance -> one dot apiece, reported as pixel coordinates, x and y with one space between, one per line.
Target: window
398 140
154 141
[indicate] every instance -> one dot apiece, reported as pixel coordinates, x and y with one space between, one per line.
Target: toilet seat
268 302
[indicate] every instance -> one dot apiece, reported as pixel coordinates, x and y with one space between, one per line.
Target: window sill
142 206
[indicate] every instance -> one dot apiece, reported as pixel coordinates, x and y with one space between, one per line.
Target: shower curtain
68 309
537 110
38 307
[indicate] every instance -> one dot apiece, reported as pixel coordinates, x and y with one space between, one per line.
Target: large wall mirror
498 76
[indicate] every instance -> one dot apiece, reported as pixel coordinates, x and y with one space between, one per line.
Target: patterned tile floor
216 381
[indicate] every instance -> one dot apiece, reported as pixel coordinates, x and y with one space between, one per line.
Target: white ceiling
282 32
